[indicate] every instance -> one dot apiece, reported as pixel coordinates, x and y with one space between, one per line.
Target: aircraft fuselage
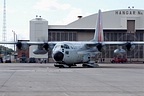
72 53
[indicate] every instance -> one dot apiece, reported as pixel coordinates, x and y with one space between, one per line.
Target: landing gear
69 66
91 64
61 65
64 65
87 65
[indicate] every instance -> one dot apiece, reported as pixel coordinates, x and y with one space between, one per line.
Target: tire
112 61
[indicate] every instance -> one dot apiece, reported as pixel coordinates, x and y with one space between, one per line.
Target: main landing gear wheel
91 65
62 65
86 66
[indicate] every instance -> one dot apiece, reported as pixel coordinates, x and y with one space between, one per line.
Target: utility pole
14 39
4 25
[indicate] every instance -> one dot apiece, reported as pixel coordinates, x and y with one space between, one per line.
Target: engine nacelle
46 46
39 51
129 46
22 46
120 52
99 47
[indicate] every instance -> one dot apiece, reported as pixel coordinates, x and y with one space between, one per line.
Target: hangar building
118 25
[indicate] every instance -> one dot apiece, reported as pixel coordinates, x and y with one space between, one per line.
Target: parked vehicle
32 60
118 60
6 59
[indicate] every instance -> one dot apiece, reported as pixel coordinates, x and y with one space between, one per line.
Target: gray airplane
69 53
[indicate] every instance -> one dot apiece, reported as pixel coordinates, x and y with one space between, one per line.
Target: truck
118 60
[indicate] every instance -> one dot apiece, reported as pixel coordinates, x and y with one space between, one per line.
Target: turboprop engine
129 46
100 47
22 46
120 52
41 49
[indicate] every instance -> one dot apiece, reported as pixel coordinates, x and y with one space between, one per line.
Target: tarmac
19 79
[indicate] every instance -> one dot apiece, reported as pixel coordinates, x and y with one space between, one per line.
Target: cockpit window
66 46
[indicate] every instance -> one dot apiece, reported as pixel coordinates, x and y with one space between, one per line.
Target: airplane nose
58 56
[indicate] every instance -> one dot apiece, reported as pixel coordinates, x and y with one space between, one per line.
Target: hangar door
131 26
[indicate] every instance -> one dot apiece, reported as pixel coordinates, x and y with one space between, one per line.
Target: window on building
74 36
141 36
49 36
63 37
70 37
66 36
53 36
58 37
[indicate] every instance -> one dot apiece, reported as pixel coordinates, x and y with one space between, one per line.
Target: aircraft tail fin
98 36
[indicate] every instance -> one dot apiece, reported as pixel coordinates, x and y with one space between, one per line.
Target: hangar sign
130 12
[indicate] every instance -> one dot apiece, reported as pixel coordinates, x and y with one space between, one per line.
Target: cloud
1 10
11 10
73 12
50 5
72 16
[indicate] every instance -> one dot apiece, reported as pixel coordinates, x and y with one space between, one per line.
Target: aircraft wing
88 44
29 42
122 42
92 44
25 44
139 42
100 45
8 42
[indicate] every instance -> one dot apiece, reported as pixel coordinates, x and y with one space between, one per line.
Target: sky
56 12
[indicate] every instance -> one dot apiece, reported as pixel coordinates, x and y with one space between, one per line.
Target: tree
4 50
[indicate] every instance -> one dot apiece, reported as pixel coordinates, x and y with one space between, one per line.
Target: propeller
99 47
19 45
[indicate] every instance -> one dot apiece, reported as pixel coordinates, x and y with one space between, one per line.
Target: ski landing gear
91 64
64 65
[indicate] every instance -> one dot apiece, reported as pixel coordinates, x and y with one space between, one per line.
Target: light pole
14 39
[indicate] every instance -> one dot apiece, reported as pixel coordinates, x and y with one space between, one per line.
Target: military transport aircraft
69 53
